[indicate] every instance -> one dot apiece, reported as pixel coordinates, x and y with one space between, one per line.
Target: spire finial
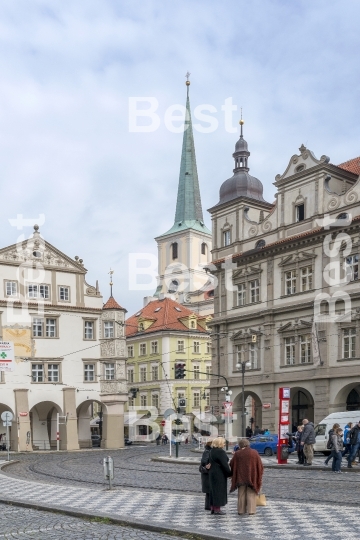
187 81
241 122
111 281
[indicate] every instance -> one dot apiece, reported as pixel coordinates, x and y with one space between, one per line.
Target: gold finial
187 78
241 121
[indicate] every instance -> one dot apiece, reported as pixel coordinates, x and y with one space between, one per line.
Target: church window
203 248
300 212
227 238
174 248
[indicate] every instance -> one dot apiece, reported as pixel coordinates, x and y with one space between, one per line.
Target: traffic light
182 402
180 371
133 392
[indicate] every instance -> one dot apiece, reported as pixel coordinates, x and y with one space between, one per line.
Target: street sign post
7 417
284 410
7 357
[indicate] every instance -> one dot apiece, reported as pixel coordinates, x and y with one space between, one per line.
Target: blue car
266 444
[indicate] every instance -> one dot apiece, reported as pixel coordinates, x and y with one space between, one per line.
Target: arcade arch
301 405
43 425
3 440
348 398
253 410
88 412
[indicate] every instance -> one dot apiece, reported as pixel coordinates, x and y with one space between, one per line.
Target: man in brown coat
247 472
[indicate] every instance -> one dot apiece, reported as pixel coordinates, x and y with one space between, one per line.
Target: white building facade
69 350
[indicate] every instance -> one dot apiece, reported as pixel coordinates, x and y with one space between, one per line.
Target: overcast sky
69 67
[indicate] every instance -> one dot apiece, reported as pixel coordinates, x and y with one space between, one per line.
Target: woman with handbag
218 474
247 473
204 469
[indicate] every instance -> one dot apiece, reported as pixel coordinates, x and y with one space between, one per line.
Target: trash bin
284 452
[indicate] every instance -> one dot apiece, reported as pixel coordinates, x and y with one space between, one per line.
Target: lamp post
243 366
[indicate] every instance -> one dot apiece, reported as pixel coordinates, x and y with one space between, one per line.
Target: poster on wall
7 357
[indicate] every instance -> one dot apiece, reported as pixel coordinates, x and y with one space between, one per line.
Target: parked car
127 441
95 441
266 444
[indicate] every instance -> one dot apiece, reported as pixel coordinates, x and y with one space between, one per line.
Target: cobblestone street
168 496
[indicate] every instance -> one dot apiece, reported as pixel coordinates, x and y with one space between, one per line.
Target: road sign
7 416
7 424
163 423
266 405
227 406
7 357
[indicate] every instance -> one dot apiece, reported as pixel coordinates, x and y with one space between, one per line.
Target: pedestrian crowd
342 442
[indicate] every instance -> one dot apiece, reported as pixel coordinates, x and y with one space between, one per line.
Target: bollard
109 470
177 449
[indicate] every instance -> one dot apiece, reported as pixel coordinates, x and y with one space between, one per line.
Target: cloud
68 69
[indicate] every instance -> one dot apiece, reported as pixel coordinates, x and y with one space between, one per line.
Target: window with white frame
130 351
154 373
38 327
352 267
142 349
240 354
109 371
155 400
196 346
64 294
38 291
254 291
208 347
154 347
290 351
241 294
305 348
181 345
349 342
11 288
290 282
196 399
37 372
130 374
306 279
253 355
108 329
53 372
89 329
196 372
207 399
131 402
51 328
208 371
226 238
143 400
89 372
143 371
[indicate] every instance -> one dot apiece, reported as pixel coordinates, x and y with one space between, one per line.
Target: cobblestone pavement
26 523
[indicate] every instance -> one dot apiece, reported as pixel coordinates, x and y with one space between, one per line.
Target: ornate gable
292 260
298 163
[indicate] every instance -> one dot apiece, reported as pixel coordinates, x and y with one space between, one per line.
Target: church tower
185 249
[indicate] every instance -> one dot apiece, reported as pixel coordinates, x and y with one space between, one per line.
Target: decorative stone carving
334 203
107 349
113 387
266 226
253 231
351 197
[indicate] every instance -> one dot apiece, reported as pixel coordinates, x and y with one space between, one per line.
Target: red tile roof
112 304
165 313
353 165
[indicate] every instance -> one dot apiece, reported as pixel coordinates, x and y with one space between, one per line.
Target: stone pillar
69 431
21 424
269 419
113 421
321 398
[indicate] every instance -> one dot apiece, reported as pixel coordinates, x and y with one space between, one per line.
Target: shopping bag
261 500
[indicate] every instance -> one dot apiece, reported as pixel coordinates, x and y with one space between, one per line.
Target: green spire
189 213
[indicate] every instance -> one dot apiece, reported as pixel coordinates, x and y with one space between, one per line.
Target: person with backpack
347 445
329 444
354 436
337 446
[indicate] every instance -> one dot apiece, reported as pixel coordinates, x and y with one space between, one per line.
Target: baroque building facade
70 350
184 251
287 302
160 335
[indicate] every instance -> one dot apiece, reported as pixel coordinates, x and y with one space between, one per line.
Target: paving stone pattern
24 523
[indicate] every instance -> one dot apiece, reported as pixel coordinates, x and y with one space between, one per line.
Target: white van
322 429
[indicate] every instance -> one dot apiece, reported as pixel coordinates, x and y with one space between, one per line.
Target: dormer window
300 212
141 327
192 324
174 248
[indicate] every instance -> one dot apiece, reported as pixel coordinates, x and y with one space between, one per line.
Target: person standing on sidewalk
218 474
337 447
330 445
308 441
299 449
347 445
354 436
204 468
247 472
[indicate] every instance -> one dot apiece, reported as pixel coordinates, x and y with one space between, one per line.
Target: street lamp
228 394
243 366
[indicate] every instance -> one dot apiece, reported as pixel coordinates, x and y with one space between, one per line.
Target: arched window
173 287
260 244
141 327
203 248
192 324
174 248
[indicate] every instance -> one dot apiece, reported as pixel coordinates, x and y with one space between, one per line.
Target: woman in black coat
205 482
218 474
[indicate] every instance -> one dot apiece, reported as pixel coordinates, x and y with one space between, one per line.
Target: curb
125 522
